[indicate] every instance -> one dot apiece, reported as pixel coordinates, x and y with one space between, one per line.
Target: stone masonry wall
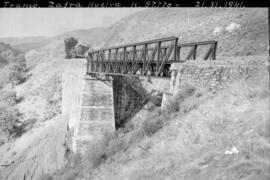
211 75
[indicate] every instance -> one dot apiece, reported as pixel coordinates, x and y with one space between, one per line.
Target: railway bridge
108 93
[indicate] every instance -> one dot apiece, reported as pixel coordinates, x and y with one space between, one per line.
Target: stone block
97 86
97 114
93 129
97 99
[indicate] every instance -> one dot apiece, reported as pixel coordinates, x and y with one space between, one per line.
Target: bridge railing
146 58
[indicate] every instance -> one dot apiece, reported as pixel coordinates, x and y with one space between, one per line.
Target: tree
17 74
9 119
20 61
79 49
70 43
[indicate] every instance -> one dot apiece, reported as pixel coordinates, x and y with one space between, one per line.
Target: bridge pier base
98 104
95 112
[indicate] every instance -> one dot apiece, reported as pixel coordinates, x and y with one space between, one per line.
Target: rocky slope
192 25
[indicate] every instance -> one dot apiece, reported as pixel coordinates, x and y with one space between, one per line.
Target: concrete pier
96 112
88 103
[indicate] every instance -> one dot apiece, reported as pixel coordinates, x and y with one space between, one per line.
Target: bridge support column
96 112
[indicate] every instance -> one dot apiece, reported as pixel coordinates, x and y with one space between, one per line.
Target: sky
22 22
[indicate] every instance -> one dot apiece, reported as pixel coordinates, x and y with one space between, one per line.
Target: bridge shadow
129 98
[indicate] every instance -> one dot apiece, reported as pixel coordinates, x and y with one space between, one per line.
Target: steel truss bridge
148 58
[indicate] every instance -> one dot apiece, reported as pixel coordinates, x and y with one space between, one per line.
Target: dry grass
193 139
235 117
197 135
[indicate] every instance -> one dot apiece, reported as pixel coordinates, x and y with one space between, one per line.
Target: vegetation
10 117
79 50
12 66
8 97
9 121
17 75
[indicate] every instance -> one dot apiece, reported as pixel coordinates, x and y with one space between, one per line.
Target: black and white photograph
134 93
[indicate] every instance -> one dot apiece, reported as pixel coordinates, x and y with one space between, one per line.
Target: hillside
192 25
223 135
212 135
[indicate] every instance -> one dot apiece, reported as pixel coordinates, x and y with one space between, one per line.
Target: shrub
152 122
46 177
151 126
97 153
173 104
156 100
135 135
116 145
95 156
71 170
8 97
102 150
65 173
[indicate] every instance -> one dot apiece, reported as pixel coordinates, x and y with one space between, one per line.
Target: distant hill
32 45
92 36
23 40
27 43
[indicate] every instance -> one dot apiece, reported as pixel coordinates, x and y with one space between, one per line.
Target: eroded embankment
39 151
